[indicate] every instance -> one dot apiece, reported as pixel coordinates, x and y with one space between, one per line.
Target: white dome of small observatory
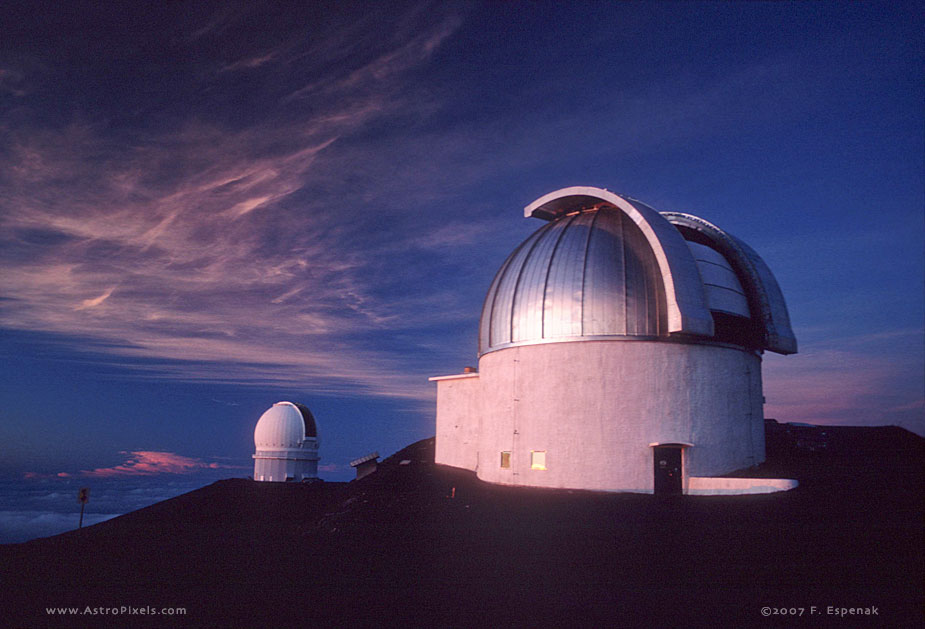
286 441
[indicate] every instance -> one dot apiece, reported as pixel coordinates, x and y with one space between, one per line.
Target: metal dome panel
686 307
587 274
723 288
562 307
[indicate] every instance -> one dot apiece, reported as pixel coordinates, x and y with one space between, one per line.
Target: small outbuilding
366 465
286 440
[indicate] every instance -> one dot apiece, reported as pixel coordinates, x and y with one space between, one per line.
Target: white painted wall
458 413
595 406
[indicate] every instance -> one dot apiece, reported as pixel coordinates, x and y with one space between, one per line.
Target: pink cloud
143 463
148 463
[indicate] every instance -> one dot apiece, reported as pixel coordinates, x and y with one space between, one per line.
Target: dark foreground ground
395 548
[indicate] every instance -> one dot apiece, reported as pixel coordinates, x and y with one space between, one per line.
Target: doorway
668 470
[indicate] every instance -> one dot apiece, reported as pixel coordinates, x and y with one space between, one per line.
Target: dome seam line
584 269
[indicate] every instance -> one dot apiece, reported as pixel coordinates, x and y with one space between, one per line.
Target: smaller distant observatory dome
286 440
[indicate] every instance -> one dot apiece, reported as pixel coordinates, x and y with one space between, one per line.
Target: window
506 460
537 459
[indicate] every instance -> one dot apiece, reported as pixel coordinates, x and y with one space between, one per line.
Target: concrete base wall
594 408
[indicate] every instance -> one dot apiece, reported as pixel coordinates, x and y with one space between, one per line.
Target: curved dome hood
766 300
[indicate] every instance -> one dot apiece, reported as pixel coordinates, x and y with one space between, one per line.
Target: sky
206 208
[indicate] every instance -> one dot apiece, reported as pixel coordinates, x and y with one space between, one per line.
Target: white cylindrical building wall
269 468
595 407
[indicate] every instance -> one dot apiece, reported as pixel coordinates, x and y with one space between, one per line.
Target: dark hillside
398 547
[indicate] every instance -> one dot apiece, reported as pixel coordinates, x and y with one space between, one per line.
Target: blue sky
206 208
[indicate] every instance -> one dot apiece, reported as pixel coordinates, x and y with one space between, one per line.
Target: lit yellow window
506 460
538 459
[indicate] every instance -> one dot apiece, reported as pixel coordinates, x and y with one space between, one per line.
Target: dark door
667 470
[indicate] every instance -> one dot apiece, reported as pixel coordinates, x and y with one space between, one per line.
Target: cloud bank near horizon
47 504
872 379
144 463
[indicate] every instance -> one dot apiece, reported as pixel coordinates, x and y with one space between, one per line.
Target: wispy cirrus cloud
217 250
379 70
251 63
96 301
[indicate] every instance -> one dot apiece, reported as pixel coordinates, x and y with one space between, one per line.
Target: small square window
506 460
538 459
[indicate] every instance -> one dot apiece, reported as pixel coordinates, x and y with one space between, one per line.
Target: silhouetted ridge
418 543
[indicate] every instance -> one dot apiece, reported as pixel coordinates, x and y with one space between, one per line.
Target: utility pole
83 496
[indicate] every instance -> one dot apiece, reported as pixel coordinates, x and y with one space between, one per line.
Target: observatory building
619 350
286 438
